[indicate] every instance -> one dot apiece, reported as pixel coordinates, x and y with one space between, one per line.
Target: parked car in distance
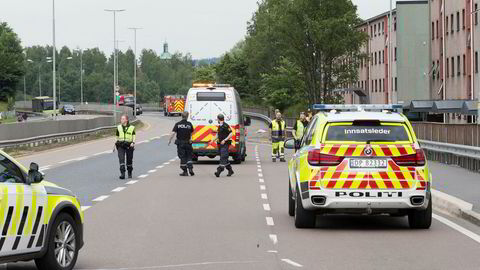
68 109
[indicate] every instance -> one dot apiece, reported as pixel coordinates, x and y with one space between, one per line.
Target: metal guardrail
455 149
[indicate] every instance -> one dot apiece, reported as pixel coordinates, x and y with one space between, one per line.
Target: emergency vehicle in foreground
173 105
204 103
38 220
359 159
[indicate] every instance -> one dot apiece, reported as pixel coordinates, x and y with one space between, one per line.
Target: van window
367 132
211 96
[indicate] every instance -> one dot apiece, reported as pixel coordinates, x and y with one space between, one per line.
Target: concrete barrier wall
19 131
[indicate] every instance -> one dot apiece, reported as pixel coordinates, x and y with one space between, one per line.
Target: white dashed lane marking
118 189
159 167
269 221
152 171
72 160
292 263
260 175
102 153
143 176
262 187
264 196
261 180
101 198
131 182
266 207
274 238
166 163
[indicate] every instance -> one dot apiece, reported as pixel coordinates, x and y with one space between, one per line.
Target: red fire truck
173 105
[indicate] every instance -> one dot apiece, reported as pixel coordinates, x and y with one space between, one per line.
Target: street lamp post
114 11
54 52
60 81
80 52
39 77
135 70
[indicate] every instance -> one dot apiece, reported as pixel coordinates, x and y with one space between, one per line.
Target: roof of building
369 20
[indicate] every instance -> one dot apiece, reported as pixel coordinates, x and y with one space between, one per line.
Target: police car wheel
421 219
291 201
303 218
62 250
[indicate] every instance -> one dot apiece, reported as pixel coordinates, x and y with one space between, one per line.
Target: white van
204 103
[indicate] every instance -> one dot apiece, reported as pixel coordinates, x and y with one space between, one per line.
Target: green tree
205 74
12 66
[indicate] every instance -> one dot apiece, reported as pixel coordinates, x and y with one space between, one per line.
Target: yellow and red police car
359 159
38 220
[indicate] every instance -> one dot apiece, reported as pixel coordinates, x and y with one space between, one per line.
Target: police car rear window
376 132
211 96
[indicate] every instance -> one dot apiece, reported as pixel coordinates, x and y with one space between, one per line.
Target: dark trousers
297 145
128 152
224 163
185 152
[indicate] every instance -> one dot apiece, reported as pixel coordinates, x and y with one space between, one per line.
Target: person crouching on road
125 145
277 128
184 130
223 139
299 130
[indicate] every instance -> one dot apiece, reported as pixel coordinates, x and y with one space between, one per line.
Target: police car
359 159
38 220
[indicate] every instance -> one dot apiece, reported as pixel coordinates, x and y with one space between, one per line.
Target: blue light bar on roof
357 107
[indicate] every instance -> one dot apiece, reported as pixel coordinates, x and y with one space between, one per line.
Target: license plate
199 145
368 163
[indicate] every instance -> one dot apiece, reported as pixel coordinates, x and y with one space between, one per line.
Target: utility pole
54 52
114 61
135 70
81 76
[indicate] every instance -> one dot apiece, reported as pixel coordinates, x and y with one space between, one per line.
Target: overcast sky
205 28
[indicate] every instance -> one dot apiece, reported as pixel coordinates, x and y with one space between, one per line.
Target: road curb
454 206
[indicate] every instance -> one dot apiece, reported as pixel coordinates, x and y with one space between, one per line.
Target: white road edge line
272 251
159 167
101 198
260 175
261 180
102 153
292 262
166 163
143 176
266 207
475 237
262 187
264 196
270 221
152 171
118 189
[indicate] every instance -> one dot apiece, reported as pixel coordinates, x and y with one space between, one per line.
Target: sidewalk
457 182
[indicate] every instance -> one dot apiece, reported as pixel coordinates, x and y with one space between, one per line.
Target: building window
433 30
375 58
458 21
394 23
451 23
383 57
448 67
396 86
464 66
438 30
433 73
458 65
463 18
371 32
447 26
375 86
438 70
476 62
395 54
375 30
453 66
476 14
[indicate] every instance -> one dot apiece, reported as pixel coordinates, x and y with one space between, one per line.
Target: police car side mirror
290 144
247 121
34 175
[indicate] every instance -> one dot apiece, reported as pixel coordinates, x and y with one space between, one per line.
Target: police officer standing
125 145
299 129
277 128
184 130
223 139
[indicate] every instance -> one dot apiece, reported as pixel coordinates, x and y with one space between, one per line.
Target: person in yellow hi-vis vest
299 130
125 146
277 129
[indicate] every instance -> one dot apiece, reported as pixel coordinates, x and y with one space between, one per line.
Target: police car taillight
417 159
316 158
237 137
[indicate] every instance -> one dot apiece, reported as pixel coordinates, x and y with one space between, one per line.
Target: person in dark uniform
223 139
184 130
125 145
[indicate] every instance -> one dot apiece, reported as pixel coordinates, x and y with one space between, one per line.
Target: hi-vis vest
300 130
126 136
278 130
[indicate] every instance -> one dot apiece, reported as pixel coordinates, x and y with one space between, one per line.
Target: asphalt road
164 221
